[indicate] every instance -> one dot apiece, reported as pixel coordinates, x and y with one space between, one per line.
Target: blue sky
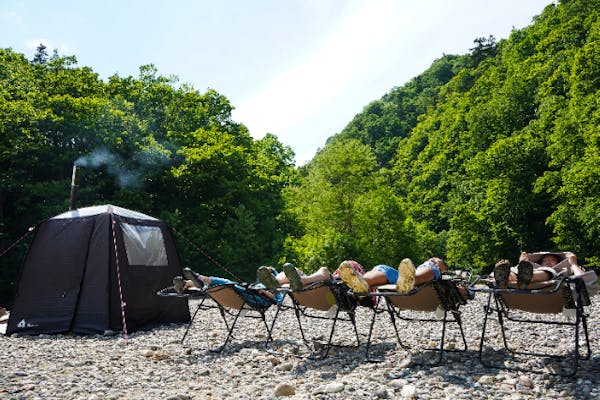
300 69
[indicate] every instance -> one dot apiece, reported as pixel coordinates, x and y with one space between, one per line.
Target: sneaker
406 276
266 277
293 276
352 278
194 277
178 284
501 272
525 273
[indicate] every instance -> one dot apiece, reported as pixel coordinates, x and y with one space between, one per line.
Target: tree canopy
487 154
142 143
481 156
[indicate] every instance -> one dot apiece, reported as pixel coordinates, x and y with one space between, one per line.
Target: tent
90 269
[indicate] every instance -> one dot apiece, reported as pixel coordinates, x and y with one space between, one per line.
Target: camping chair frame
233 305
318 298
192 294
547 299
425 298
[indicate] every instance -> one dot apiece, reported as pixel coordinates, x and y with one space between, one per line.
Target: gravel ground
155 365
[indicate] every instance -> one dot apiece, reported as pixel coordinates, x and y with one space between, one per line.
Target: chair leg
500 312
587 338
462 332
580 319
486 312
270 329
298 313
392 314
352 316
371 332
191 321
264 319
229 333
337 312
442 339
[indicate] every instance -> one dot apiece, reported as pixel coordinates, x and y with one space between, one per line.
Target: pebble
284 389
154 365
334 387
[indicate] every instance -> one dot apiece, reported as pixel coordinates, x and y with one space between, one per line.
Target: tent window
144 245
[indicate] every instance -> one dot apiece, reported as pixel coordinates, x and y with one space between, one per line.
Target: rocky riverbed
155 365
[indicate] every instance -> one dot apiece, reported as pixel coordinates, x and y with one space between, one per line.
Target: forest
481 156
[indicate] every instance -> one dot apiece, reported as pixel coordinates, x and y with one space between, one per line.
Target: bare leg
188 283
375 278
282 278
322 274
575 268
538 276
465 293
424 274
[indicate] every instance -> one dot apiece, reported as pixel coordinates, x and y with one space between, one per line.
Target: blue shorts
254 300
392 273
437 274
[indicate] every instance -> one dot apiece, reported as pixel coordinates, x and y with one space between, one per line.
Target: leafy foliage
488 154
140 143
479 157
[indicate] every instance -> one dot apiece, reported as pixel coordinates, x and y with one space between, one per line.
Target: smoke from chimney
150 158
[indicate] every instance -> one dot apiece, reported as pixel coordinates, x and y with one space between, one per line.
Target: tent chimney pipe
73 188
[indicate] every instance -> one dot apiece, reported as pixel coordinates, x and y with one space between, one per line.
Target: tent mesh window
144 245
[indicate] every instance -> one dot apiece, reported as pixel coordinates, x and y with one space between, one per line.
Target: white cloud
63 49
340 60
34 43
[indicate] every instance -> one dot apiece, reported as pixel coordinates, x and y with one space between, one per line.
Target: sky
299 69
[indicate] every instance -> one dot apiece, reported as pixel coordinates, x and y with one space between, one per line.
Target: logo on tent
24 324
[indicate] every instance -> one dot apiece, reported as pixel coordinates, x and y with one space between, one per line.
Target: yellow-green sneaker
406 276
353 279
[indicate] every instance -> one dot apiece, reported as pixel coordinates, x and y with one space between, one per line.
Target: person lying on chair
298 279
352 273
196 280
406 277
536 267
295 277
354 276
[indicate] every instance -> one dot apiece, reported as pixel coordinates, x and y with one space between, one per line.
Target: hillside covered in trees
479 157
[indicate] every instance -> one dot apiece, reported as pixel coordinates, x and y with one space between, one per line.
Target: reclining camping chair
441 297
232 305
518 305
204 303
324 300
